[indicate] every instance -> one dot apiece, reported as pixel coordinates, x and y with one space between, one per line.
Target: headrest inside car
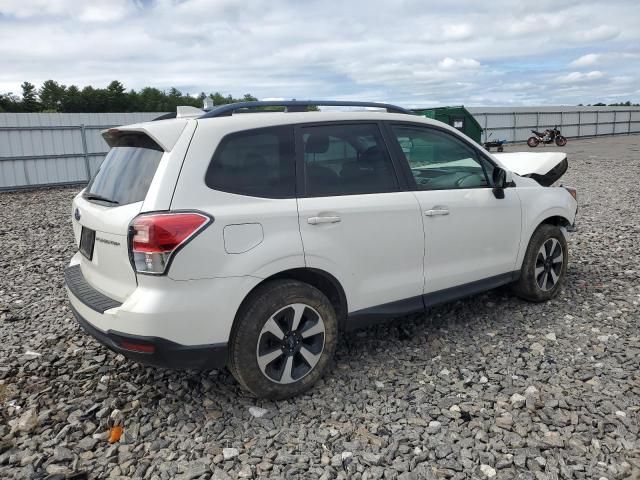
372 154
317 144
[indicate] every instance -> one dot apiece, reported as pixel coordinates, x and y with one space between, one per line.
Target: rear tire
545 265
533 141
561 141
284 337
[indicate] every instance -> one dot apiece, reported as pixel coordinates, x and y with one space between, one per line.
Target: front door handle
436 211
319 220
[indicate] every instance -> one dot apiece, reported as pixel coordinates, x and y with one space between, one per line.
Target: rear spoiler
165 134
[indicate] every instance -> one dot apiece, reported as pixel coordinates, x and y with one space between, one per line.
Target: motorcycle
550 135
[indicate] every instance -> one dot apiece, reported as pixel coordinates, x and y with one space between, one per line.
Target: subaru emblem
76 214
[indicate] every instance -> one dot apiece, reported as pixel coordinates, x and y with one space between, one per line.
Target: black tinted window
260 163
346 160
126 172
438 160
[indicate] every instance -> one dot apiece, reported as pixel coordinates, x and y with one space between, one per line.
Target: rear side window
259 163
126 172
346 160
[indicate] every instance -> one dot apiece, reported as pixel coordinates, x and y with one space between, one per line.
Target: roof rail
298 106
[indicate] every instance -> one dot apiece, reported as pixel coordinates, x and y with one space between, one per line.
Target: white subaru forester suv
251 239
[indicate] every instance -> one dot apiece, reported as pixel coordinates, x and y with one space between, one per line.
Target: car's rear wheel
544 266
533 141
283 339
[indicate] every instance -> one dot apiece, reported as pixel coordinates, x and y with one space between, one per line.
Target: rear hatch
103 211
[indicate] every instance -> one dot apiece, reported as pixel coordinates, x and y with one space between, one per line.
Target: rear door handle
319 220
436 211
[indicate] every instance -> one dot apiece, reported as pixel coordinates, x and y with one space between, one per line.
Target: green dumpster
458 117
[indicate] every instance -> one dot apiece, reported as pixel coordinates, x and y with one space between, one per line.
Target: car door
356 222
472 238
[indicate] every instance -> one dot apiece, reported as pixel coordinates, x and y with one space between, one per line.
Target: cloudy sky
410 52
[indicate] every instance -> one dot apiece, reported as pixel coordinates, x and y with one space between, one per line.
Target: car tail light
155 237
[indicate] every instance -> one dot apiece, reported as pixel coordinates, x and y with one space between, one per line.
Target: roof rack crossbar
298 106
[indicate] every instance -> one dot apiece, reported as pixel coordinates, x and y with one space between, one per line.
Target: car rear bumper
160 352
136 329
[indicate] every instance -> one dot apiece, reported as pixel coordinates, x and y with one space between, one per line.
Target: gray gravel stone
229 453
194 470
428 397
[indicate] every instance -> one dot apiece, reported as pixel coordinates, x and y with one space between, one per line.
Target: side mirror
499 182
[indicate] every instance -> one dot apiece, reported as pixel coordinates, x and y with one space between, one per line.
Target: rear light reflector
156 237
138 347
572 191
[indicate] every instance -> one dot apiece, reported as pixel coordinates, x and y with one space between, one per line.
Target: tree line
619 104
54 97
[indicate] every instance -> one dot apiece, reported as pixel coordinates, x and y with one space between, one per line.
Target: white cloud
388 50
586 60
575 77
610 58
22 9
85 10
461 64
534 23
457 31
599 33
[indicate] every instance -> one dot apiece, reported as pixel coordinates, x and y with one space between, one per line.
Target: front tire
545 265
561 141
284 337
533 141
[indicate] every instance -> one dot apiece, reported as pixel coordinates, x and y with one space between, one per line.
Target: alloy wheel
291 343
549 264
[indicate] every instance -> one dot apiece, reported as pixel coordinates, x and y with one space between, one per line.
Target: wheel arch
555 217
557 220
320 279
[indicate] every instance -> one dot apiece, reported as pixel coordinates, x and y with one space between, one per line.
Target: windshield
126 172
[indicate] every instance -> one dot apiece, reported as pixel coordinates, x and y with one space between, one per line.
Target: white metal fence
515 124
46 149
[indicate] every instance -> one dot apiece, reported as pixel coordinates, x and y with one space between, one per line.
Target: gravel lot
489 387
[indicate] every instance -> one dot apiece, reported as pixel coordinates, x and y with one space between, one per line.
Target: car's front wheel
283 339
544 266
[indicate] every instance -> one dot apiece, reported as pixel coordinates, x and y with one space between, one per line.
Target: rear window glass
259 163
126 172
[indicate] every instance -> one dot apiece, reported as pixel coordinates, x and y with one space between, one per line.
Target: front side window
346 160
259 163
438 160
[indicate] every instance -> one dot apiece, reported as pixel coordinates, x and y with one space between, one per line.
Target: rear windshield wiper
95 196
